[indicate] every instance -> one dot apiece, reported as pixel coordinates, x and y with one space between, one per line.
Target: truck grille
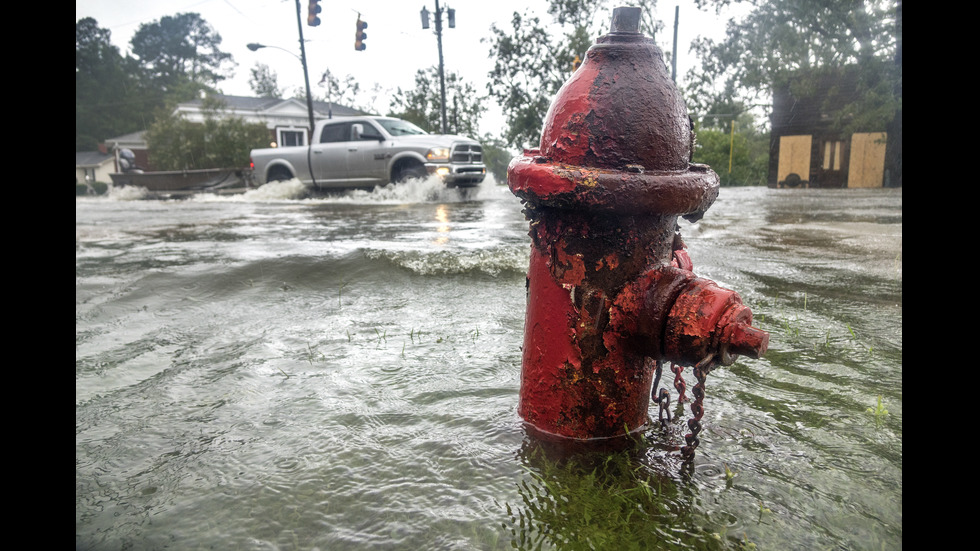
467 154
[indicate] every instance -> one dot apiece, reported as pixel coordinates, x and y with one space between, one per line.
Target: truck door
367 164
329 155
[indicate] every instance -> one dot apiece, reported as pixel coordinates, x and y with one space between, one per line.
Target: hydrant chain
661 397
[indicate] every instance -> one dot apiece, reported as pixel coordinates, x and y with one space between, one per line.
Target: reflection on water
279 371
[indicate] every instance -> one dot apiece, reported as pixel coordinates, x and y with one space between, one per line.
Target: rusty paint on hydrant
610 291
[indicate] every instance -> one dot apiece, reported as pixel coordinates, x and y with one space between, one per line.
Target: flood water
265 371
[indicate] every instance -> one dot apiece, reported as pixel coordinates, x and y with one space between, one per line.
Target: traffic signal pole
442 78
309 94
306 73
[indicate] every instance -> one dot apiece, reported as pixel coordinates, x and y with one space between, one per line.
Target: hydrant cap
620 108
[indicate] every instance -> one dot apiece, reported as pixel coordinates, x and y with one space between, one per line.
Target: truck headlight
438 154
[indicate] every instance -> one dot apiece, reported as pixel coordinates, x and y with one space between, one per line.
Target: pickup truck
368 151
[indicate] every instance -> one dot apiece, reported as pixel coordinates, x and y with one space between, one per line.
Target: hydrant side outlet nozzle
609 287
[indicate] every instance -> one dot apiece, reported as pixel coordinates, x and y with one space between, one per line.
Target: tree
220 142
180 54
738 153
264 82
422 104
346 92
795 43
530 67
109 98
532 61
496 156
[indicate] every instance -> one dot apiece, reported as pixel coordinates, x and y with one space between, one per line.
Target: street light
256 46
442 79
302 59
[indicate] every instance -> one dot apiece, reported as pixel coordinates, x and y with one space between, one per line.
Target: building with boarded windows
808 146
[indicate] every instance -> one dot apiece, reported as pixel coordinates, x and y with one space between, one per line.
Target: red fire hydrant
610 292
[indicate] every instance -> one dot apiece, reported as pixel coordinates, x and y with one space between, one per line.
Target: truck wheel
410 173
279 174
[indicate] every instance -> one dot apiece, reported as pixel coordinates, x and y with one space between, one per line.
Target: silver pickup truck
363 152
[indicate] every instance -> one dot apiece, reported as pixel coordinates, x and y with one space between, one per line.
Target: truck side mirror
361 133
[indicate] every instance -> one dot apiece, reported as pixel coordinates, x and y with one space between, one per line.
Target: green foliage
602 501
530 65
95 188
175 58
219 142
878 411
421 106
497 156
533 59
264 82
747 153
110 98
789 40
346 91
180 55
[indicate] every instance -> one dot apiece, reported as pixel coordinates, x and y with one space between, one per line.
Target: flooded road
269 372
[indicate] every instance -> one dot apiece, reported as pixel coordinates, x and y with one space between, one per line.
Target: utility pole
306 74
673 56
442 79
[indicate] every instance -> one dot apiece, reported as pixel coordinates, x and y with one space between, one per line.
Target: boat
208 180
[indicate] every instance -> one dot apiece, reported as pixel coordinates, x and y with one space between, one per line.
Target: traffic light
576 63
312 19
360 35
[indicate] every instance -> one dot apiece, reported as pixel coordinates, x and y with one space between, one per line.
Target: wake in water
425 190
127 193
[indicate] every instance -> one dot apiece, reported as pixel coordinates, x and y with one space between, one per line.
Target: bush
497 157
96 188
221 141
749 156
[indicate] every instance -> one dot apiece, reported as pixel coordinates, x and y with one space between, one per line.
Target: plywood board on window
867 166
794 157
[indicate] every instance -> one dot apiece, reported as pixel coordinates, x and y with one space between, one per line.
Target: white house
93 166
288 120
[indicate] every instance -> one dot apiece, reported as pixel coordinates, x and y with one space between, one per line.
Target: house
93 166
96 166
808 147
288 120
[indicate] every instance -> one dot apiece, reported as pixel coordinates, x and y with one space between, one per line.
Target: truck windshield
397 127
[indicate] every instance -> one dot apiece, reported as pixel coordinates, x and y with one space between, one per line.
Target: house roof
133 139
267 105
91 158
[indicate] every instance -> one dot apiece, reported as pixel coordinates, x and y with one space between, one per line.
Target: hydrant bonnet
620 108
617 137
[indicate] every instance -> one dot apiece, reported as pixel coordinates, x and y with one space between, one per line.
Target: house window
831 155
292 137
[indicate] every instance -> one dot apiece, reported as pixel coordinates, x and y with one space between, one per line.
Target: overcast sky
397 46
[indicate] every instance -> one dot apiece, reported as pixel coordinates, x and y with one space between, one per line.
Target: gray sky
397 46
